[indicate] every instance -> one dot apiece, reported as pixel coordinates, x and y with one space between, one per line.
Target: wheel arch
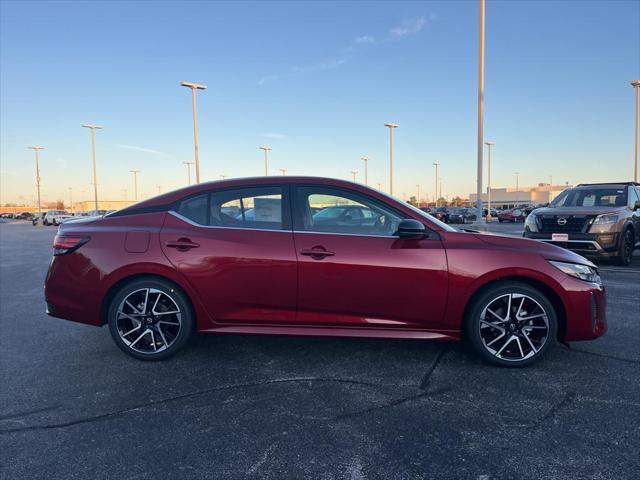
553 297
196 308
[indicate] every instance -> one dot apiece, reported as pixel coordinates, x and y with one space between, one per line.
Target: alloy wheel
514 327
148 321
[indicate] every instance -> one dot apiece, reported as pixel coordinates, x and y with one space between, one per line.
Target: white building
510 197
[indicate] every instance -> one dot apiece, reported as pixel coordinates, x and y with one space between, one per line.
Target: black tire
171 297
500 220
625 250
481 338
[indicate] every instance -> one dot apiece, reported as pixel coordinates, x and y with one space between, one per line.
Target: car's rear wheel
625 252
511 324
150 319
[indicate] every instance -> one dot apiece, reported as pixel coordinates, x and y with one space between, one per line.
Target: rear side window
194 208
259 208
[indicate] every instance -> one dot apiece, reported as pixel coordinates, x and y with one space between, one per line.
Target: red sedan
313 256
512 215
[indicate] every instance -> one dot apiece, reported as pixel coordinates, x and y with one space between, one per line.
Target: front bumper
594 245
586 307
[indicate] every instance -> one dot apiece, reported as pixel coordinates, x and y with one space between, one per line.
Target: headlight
531 223
605 219
583 272
603 223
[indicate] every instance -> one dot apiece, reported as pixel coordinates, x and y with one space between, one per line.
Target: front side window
633 197
337 211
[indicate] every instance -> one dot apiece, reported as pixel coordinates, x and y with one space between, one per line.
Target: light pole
354 173
391 126
418 197
283 171
517 174
194 87
135 184
266 159
71 199
636 85
437 165
188 164
366 169
480 146
550 187
489 145
93 150
379 186
223 177
159 187
36 149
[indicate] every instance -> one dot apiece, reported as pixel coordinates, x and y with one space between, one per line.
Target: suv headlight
603 223
583 272
530 222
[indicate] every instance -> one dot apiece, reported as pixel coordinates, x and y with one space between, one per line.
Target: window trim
285 207
298 223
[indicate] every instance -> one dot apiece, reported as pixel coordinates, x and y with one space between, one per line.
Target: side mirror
636 206
410 228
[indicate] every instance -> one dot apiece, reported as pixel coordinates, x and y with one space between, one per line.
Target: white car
55 217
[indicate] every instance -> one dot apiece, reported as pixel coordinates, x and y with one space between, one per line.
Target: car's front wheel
150 319
625 252
511 324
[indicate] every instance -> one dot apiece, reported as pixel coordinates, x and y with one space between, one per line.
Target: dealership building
506 197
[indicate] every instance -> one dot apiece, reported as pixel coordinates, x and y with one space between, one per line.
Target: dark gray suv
595 220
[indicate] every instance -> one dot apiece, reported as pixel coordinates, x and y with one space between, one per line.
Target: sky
316 81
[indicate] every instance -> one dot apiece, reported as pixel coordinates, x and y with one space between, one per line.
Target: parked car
54 217
460 215
38 217
176 264
24 216
442 214
511 215
596 220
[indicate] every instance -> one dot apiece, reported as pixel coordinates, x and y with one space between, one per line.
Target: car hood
576 210
548 251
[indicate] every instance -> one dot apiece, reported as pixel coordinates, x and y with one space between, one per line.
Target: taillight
67 243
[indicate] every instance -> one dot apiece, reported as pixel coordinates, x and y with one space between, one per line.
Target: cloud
406 28
273 136
140 149
365 39
409 27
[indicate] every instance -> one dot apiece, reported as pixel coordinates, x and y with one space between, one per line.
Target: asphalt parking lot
73 406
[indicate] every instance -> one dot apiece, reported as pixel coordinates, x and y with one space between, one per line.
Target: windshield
591 197
432 219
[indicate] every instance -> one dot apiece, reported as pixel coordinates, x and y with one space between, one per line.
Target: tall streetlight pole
135 184
391 126
194 87
437 165
283 171
480 146
36 149
188 164
517 174
366 169
266 159
353 174
636 85
379 186
93 150
489 145
71 199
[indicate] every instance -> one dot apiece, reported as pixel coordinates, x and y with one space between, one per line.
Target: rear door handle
182 244
317 253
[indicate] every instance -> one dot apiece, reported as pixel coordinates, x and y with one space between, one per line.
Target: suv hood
548 251
576 210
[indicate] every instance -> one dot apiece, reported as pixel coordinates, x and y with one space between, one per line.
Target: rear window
591 197
195 208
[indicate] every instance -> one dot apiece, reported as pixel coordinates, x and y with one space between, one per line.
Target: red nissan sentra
315 256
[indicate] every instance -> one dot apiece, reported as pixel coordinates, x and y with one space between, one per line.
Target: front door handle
182 244
317 253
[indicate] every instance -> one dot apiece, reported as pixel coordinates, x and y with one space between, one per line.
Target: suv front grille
568 223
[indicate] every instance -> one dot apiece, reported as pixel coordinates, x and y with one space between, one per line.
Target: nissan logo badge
562 221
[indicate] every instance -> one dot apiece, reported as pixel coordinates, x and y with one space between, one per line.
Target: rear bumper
592 245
